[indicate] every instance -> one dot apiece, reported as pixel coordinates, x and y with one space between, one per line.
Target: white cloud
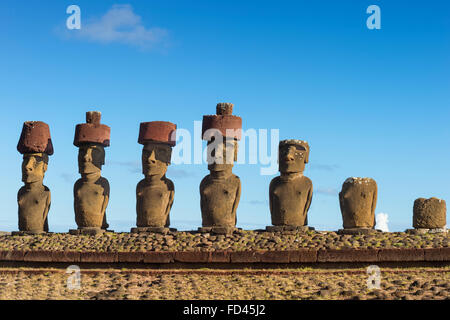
121 25
327 191
382 222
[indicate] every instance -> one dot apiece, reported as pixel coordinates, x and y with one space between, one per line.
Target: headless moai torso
358 200
34 205
154 201
429 213
290 200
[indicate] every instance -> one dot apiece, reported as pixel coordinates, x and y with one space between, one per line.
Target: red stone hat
92 131
157 131
223 121
35 138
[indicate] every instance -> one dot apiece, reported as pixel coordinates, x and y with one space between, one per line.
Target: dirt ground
403 284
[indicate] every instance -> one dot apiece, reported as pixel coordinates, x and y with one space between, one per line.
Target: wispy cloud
323 167
121 25
327 191
178 173
136 167
68 178
133 166
258 202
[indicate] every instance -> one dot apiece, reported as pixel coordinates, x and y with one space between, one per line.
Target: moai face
91 157
155 158
222 155
34 166
292 158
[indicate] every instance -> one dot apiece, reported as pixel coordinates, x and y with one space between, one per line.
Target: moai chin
34 197
290 194
429 216
358 200
220 191
91 191
155 193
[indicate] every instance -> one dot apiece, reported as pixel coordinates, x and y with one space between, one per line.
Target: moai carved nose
29 164
289 155
87 156
152 158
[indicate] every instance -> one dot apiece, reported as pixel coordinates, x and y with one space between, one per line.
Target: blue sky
371 103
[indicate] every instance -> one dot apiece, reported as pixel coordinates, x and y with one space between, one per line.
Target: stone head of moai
222 132
430 214
290 194
220 190
358 200
91 138
91 192
157 138
293 155
34 198
155 193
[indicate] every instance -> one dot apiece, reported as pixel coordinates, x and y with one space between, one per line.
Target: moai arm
170 203
47 209
19 194
270 196
341 201
374 203
308 204
75 189
201 193
105 185
236 201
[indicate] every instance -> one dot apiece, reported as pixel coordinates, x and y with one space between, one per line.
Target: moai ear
236 147
307 154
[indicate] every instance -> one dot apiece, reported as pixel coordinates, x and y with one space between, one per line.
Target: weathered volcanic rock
92 131
429 213
230 126
157 131
358 200
35 138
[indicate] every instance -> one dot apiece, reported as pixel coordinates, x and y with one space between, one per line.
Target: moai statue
34 198
91 192
290 194
220 191
429 216
155 193
358 200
